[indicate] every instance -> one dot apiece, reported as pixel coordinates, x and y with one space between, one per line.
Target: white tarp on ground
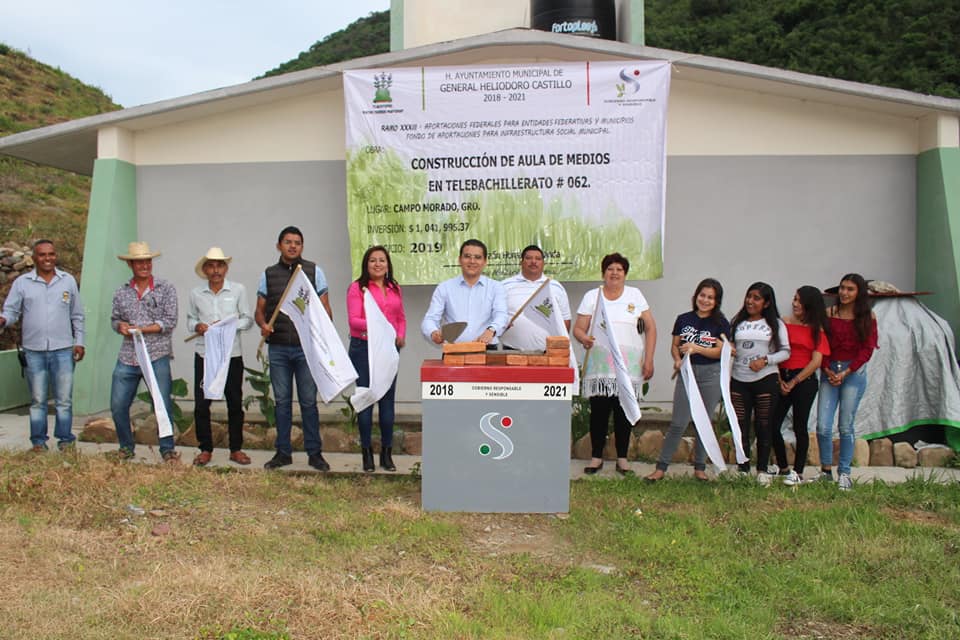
912 379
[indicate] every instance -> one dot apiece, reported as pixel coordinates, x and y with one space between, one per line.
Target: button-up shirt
208 307
480 306
158 305
51 311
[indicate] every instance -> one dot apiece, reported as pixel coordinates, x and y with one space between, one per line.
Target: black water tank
595 18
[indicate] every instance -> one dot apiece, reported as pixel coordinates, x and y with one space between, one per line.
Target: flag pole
524 305
276 311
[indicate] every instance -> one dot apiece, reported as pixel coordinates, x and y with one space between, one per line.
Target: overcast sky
139 52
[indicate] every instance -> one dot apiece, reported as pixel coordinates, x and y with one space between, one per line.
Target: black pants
600 408
756 400
801 399
232 392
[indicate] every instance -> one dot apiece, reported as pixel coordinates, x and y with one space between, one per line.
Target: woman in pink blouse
853 337
377 277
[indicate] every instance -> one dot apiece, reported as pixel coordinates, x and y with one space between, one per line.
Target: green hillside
365 37
907 44
40 202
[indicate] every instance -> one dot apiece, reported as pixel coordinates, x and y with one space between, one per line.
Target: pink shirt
390 301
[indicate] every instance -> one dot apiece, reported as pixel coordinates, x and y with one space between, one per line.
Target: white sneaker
773 469
792 479
764 479
845 483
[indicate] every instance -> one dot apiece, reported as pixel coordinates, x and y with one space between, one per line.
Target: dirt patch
918 517
507 534
817 629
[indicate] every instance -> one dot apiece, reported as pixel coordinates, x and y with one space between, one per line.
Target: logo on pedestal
494 433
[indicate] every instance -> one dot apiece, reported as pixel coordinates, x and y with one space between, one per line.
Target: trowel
452 330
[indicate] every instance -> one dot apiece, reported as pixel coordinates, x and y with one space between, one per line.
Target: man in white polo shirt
523 334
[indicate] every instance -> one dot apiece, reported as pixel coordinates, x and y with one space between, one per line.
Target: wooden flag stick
524 305
273 318
197 335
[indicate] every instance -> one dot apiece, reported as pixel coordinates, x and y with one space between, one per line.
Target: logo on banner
302 300
629 82
494 433
545 308
382 84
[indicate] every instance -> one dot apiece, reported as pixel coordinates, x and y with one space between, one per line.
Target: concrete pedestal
496 439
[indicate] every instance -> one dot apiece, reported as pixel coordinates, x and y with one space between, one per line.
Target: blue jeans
123 391
847 396
286 363
46 368
361 362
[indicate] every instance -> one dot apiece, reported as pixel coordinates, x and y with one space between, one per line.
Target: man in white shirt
524 334
218 299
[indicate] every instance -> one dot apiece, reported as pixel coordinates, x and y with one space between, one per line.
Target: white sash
701 419
164 428
218 345
726 355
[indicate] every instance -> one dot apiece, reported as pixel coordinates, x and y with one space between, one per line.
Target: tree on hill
895 43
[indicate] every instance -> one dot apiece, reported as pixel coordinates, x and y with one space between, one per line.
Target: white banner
543 314
164 428
218 344
569 156
328 361
383 359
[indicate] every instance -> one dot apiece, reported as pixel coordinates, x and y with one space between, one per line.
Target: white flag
164 428
701 418
383 359
325 354
218 344
726 370
543 311
602 331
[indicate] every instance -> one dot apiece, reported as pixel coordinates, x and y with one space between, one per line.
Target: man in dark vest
286 356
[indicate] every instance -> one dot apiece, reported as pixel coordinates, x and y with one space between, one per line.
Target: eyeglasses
472 256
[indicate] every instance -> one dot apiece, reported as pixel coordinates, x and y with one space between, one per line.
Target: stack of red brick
462 354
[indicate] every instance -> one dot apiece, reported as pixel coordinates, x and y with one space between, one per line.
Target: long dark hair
769 313
814 311
862 316
364 279
710 283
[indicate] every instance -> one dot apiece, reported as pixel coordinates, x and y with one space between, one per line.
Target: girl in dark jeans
762 344
807 329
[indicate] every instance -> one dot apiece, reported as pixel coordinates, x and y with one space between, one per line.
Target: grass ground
257 555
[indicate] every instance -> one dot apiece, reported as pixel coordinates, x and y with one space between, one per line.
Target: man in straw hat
287 360
219 299
146 306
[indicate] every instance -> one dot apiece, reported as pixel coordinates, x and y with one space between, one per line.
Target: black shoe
316 461
588 470
367 455
278 460
386 459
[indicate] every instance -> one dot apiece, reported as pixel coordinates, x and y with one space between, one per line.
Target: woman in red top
807 329
376 274
853 337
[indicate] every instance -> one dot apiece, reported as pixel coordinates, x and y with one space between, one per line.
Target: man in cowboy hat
48 301
146 305
209 304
